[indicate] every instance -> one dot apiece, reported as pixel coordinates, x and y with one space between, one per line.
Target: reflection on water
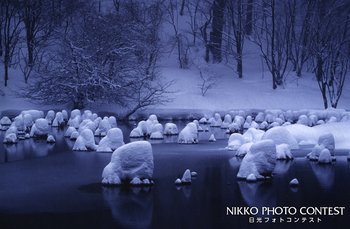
257 194
130 208
324 173
282 166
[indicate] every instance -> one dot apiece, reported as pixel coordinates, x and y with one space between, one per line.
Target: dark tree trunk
249 18
239 59
6 76
182 7
217 27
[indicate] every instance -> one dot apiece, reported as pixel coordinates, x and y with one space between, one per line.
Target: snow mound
112 121
103 127
65 115
50 116
170 129
74 122
69 131
212 138
244 149
235 141
186 177
294 182
85 141
227 121
111 141
74 135
75 113
328 142
280 135
132 160
28 120
189 134
260 117
10 135
40 128
50 139
259 161
59 120
156 135
5 121
253 135
140 131
216 121
283 152
34 113
325 157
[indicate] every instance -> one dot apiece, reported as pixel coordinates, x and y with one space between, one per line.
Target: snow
251 178
253 135
131 160
212 138
103 127
74 122
170 129
235 141
40 128
259 161
283 152
294 182
186 177
141 130
156 135
281 135
74 135
36 114
227 121
50 116
5 121
28 120
325 157
111 141
69 131
10 138
50 139
189 134
75 113
136 181
328 142
65 115
178 181
112 121
216 121
87 124
315 152
59 120
244 149
85 141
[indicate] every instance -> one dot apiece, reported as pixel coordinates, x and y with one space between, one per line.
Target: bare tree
330 53
11 32
218 10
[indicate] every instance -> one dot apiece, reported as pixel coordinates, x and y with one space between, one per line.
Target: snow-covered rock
234 128
315 152
327 140
303 120
28 120
65 115
140 131
50 139
189 134
87 114
59 120
325 157
136 181
18 122
69 131
203 120
235 141
103 127
244 149
294 182
111 141
5 122
40 128
112 121
170 129
34 113
281 135
178 181
264 125
74 122
313 119
260 117
227 121
251 178
74 135
50 116
186 177
10 138
87 124
283 152
253 135
156 135
132 160
260 160
212 138
216 121
75 113
85 141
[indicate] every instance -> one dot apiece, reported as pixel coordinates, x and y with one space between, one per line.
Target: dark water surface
50 186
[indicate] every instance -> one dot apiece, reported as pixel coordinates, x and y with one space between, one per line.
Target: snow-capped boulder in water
103 127
203 120
85 141
74 135
65 115
50 139
186 177
59 120
281 135
140 131
5 123
10 138
294 182
34 113
283 152
235 141
69 131
325 157
303 120
40 128
253 135
170 129
75 113
260 117
216 121
259 161
111 141
132 160
112 121
189 134
87 124
87 114
28 120
212 138
315 153
50 116
227 121
327 140
244 149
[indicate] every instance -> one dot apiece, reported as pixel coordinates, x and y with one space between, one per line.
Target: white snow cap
50 139
325 157
280 135
259 161
244 149
294 182
212 138
235 141
283 152
34 113
5 121
111 141
59 120
216 121
170 129
103 127
186 177
40 128
85 141
189 134
131 160
327 140
69 131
